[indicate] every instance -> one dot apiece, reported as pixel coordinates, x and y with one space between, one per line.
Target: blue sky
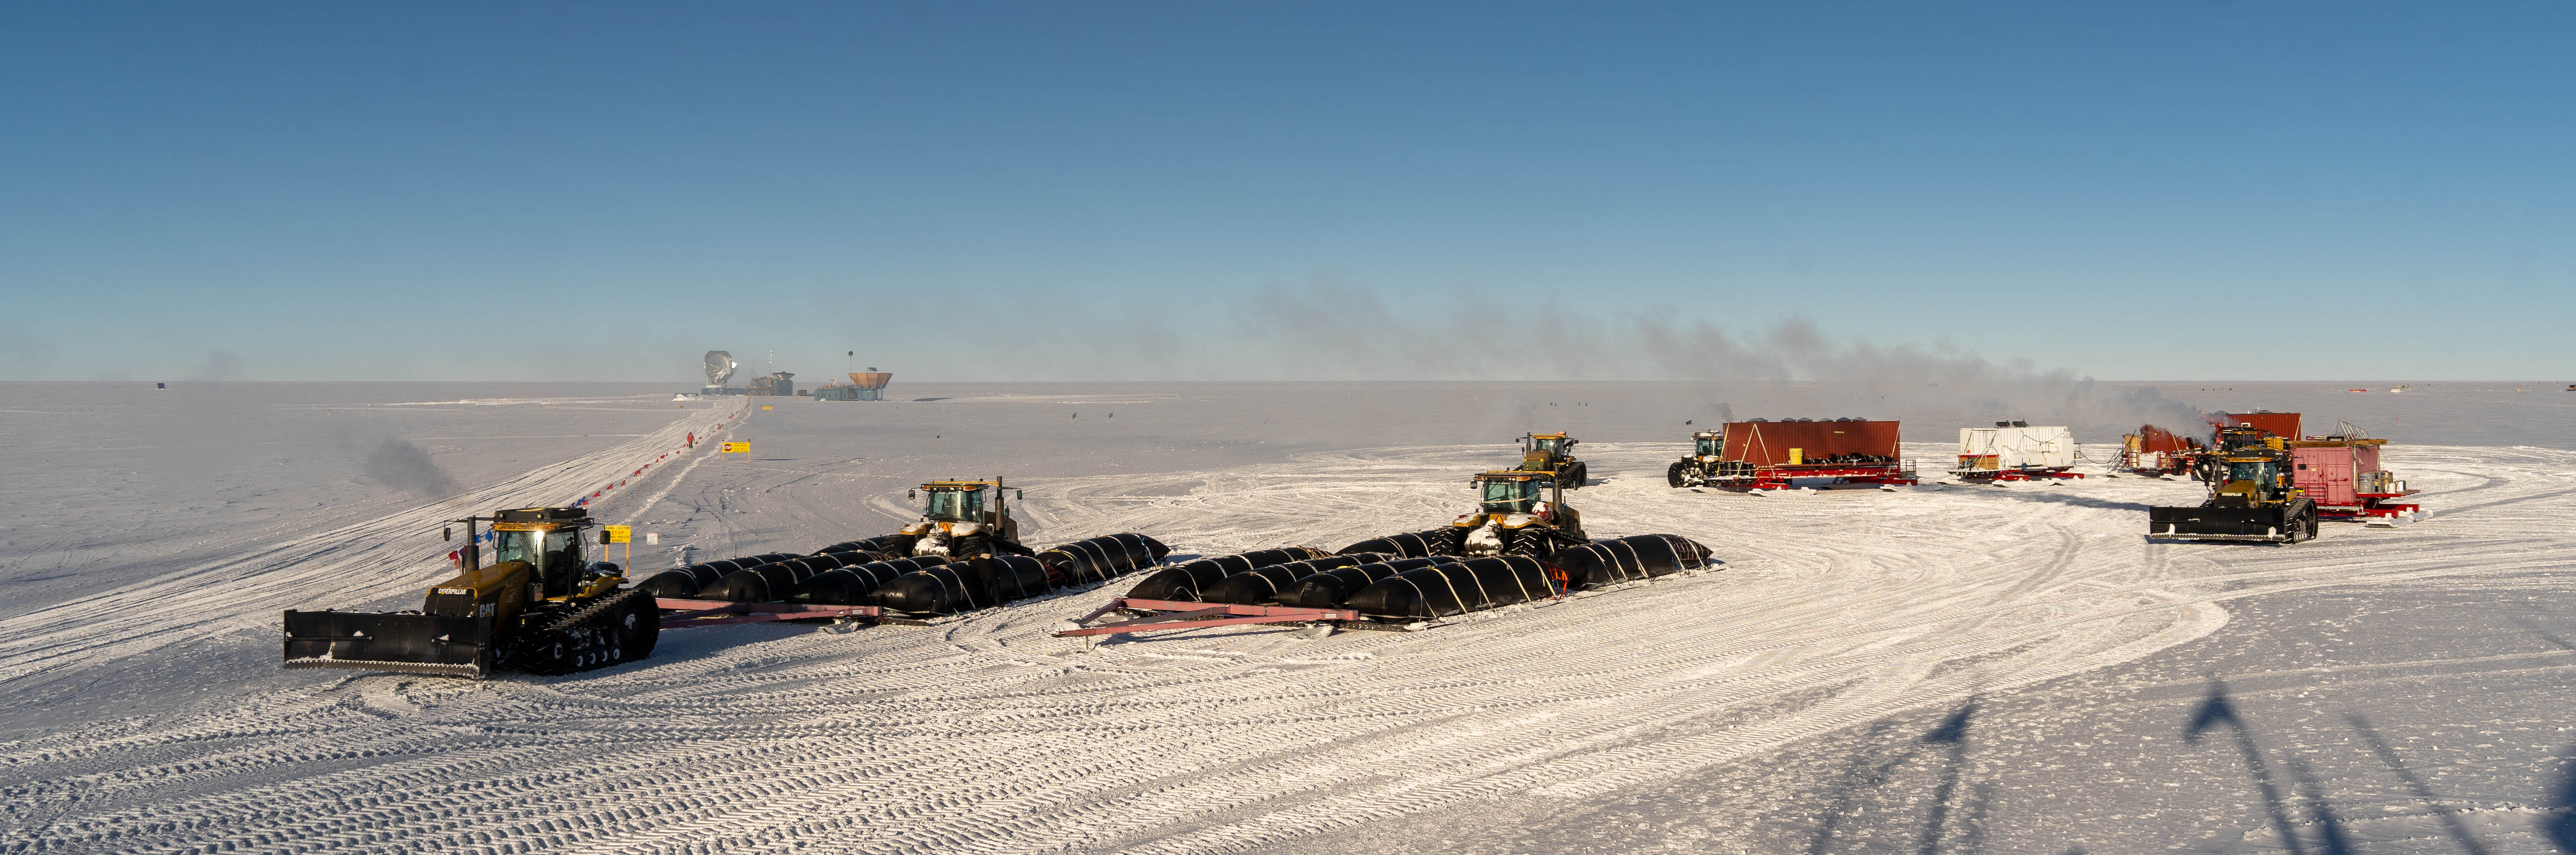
1058 191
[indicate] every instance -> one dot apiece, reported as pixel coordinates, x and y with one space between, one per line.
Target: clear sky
957 191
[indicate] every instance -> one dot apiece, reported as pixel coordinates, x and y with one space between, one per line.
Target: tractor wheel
1673 475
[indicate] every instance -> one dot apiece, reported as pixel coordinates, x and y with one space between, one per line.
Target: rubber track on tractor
573 635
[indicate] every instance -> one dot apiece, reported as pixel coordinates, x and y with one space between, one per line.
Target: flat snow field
1933 669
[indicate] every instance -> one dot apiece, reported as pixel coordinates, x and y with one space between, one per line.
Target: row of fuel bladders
1400 582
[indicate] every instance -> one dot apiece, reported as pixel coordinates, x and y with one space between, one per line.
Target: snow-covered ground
1936 669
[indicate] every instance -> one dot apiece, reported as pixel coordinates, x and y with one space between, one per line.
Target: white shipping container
2001 448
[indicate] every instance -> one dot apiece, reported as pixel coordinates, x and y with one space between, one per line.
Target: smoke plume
1341 332
401 465
220 364
23 353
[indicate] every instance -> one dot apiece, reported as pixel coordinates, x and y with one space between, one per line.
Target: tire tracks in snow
984 735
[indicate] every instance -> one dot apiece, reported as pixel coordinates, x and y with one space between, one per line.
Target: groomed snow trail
986 735
348 566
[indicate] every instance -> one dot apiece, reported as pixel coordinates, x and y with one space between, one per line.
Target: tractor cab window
2257 471
955 505
563 561
1550 444
1510 496
1708 446
518 546
554 556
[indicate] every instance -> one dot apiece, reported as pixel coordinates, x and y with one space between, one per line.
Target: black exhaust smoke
850 586
1418 544
1100 559
1454 589
1184 582
1328 589
1258 586
964 585
1627 559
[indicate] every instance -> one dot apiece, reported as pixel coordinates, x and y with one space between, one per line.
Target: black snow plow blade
2202 523
422 644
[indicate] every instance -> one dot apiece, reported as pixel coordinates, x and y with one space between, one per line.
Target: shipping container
1810 443
1764 455
2343 477
2283 425
2015 452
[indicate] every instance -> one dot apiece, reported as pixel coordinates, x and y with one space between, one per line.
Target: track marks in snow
984 735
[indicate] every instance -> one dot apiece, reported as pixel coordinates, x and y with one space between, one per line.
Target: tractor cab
963 519
1519 495
2245 482
549 540
954 502
1709 445
1518 507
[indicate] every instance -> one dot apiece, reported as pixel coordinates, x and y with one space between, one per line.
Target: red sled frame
696 613
1779 477
1176 614
2373 505
2027 473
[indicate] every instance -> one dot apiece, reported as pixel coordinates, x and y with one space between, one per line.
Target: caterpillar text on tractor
964 519
2252 495
1553 453
1518 513
539 607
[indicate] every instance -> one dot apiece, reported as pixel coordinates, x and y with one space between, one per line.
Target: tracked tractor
1518 513
963 519
2252 494
1706 461
539 607
1553 453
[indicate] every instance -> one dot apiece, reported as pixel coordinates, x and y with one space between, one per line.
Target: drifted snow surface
1937 669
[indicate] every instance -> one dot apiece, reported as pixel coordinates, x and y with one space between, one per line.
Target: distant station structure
720 366
866 385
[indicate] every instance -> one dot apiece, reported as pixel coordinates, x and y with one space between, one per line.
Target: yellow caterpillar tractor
2253 494
963 519
537 608
1553 453
1520 512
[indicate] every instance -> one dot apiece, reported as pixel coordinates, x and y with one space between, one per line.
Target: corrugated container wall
1769 443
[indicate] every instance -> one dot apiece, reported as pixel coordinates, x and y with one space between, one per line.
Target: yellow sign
737 448
621 533
764 408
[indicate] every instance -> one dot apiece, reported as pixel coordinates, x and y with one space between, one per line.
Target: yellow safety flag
737 448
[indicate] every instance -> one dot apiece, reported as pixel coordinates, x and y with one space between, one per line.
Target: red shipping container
2283 425
2158 440
2325 473
1768 443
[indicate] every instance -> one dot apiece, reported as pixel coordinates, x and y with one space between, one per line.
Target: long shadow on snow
1870 769
2078 501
